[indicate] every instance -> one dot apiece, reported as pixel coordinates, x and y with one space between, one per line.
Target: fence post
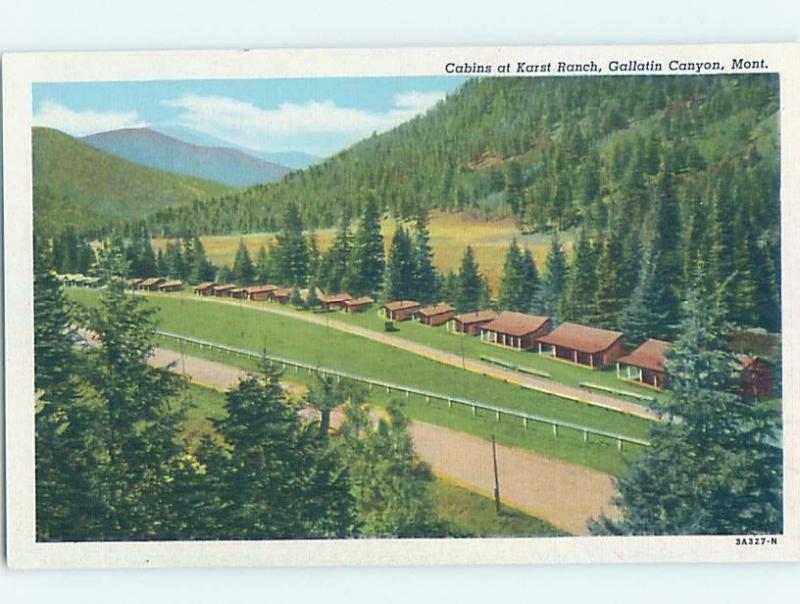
525 421
497 415
474 410
555 430
586 436
619 444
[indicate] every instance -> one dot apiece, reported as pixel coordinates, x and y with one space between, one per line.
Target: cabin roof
516 323
435 309
582 338
649 355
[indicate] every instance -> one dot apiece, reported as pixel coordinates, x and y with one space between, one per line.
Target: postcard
401 306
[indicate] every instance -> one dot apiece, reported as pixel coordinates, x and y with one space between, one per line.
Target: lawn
450 235
466 513
255 330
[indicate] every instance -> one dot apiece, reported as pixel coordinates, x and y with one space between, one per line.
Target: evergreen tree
531 281
366 265
281 479
554 280
176 261
713 467
470 284
291 253
513 293
336 261
581 287
450 288
641 318
608 300
312 301
400 268
296 299
162 267
243 270
426 279
263 272
200 268
391 486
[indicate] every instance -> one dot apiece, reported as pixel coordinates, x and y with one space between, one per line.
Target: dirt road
514 377
563 494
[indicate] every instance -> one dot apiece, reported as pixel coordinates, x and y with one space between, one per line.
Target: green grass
472 515
255 330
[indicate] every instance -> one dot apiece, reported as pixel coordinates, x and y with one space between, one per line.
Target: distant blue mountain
297 160
162 152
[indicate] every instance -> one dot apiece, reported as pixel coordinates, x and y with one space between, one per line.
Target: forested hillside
78 186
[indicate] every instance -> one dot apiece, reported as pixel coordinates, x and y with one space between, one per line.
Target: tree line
112 462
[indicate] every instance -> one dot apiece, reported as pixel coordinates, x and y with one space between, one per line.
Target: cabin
358 304
645 365
204 289
583 345
400 310
282 295
90 282
224 290
757 378
516 330
334 301
150 284
435 314
240 293
470 323
132 282
260 292
171 286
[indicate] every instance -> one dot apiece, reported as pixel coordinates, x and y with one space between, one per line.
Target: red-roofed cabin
358 304
757 378
238 292
129 283
647 363
334 301
516 330
204 289
282 295
150 284
400 310
224 290
260 292
170 286
470 323
584 345
436 314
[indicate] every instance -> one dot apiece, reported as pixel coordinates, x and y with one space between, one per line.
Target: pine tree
243 270
712 468
281 478
263 272
530 281
608 300
641 318
200 268
554 280
296 299
337 259
176 261
581 287
291 253
312 301
365 269
162 267
470 284
400 268
426 279
513 294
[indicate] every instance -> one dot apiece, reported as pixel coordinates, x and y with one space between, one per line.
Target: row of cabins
154 284
283 295
78 280
590 346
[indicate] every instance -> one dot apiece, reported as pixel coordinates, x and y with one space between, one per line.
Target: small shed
757 378
470 323
224 290
645 365
436 314
260 292
150 284
516 329
282 295
358 304
400 310
583 345
170 286
204 289
334 301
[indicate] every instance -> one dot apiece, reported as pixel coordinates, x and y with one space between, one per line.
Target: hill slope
156 150
77 184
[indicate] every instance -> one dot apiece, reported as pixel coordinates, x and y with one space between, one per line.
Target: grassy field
254 330
466 513
450 235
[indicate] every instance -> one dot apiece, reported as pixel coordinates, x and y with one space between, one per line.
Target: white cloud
81 123
243 123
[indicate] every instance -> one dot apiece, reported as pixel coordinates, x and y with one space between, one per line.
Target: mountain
74 183
549 152
297 160
162 152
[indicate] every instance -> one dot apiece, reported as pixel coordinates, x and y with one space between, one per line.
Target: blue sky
314 115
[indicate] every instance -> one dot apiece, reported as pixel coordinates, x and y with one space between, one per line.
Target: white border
21 70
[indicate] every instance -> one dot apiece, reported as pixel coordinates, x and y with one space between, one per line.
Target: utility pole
496 479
